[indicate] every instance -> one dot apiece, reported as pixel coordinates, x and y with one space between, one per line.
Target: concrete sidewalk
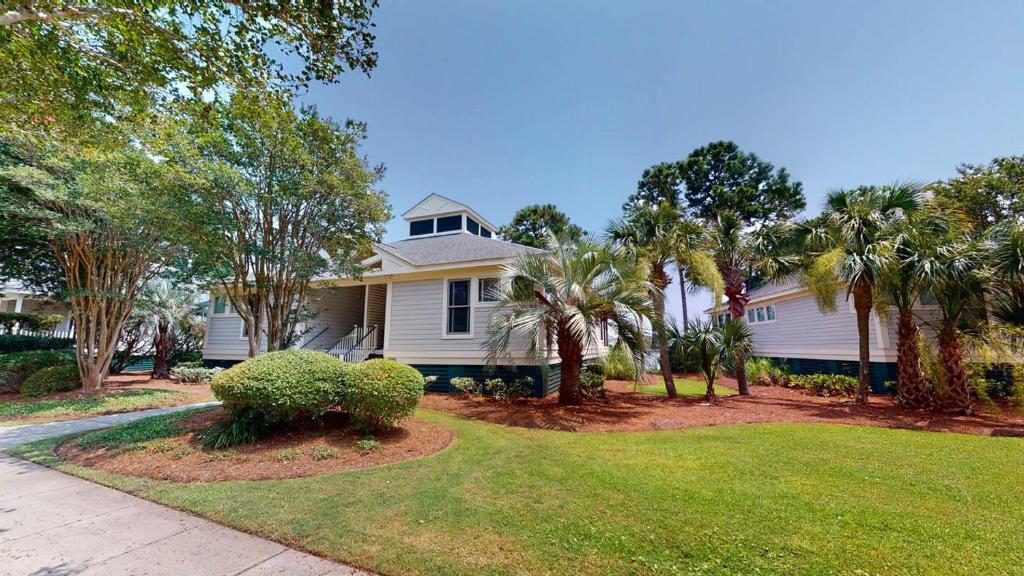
17 435
56 524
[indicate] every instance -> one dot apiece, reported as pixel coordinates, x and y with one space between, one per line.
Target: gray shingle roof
450 248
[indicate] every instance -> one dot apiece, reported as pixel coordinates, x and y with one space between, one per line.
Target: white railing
55 333
357 345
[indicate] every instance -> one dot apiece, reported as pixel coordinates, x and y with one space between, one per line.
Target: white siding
339 310
417 325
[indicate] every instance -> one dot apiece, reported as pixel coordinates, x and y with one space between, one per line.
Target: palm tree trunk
663 357
709 394
957 396
912 390
162 351
741 374
569 390
862 303
682 295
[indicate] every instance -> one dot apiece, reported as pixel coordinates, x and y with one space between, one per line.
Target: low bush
194 374
826 384
379 393
592 383
29 321
282 386
17 366
764 372
52 379
500 389
467 385
618 364
368 444
325 453
21 342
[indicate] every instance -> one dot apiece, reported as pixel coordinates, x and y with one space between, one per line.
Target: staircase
357 345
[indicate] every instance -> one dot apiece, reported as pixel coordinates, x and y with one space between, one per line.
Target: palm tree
165 306
1007 242
558 300
851 245
769 251
705 343
656 237
955 270
903 285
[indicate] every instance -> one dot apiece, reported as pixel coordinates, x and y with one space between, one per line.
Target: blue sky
504 104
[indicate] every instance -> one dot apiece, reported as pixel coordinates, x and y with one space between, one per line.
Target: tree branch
28 14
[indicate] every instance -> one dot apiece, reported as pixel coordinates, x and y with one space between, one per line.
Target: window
420 227
770 309
458 307
244 332
219 305
449 224
760 314
487 290
485 232
751 316
472 226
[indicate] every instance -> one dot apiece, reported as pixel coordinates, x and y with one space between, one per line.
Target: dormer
436 214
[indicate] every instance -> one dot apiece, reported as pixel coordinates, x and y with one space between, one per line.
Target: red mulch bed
624 410
286 454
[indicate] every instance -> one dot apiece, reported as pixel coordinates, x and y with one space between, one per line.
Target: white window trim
444 307
488 303
241 329
753 310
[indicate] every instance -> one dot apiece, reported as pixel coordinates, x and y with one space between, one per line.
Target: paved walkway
56 524
17 435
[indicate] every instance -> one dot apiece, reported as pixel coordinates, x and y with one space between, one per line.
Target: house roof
451 248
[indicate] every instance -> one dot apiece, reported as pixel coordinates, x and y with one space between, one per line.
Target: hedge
17 366
21 342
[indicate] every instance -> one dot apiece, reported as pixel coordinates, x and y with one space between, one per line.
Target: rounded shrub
51 379
282 386
379 393
17 366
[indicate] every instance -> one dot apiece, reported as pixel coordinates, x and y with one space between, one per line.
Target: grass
135 434
744 499
684 387
125 401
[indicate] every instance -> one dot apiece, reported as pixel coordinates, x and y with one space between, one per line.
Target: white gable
434 205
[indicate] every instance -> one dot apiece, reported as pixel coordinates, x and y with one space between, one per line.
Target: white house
15 297
788 326
424 300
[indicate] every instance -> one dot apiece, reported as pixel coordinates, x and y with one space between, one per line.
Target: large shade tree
851 246
557 301
109 227
276 197
720 177
532 225
69 63
656 237
988 194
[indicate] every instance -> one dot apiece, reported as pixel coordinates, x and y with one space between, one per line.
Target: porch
348 322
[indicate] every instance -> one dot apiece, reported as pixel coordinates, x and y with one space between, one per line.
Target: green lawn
743 499
684 387
126 401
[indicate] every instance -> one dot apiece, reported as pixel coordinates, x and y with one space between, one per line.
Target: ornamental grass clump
379 393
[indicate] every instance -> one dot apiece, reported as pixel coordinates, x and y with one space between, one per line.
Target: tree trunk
569 390
709 394
682 296
862 303
162 344
663 357
957 396
734 291
912 390
741 374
